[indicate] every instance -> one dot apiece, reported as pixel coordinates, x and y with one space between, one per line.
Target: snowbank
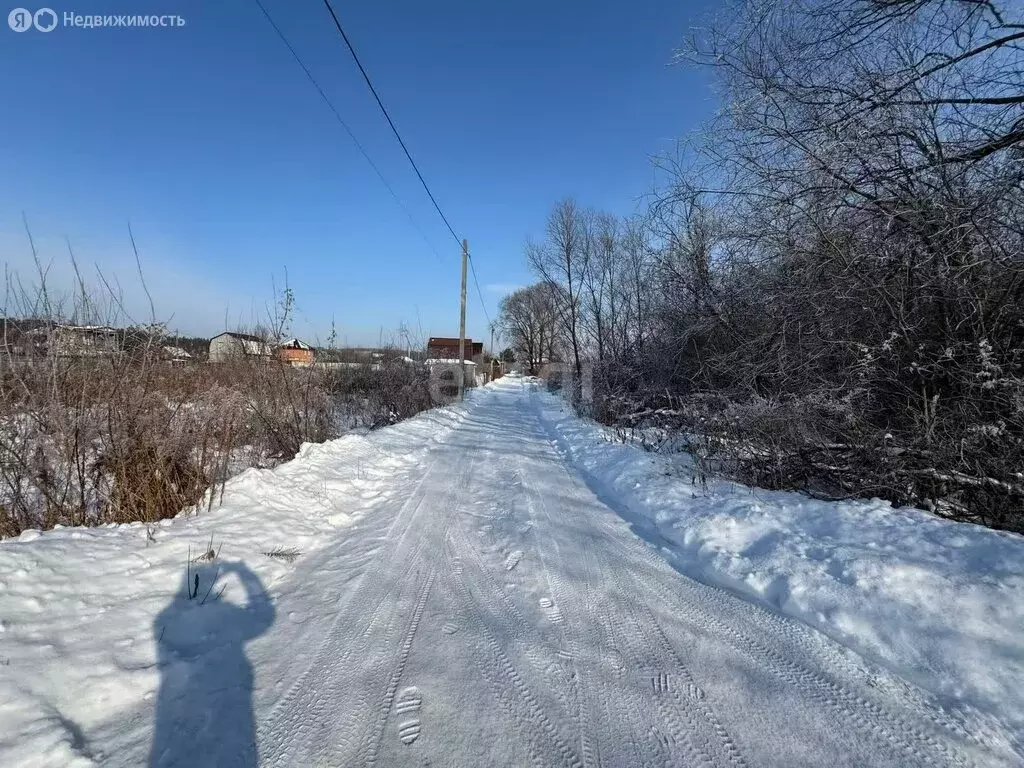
77 605
939 603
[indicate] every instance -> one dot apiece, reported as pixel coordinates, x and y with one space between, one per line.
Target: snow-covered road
503 615
493 611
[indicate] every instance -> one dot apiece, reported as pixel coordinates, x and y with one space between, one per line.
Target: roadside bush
373 396
826 293
104 439
953 460
120 437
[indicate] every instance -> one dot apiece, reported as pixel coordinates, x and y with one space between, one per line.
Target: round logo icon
45 19
20 19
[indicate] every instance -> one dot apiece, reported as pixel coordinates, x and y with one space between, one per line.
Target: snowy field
499 583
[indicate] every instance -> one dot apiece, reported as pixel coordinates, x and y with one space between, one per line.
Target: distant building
497 369
295 352
229 346
83 341
362 355
444 373
445 348
175 355
23 338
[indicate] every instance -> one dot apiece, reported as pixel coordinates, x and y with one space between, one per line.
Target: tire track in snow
814 646
308 724
710 738
507 682
694 726
302 722
698 737
372 747
703 608
806 642
557 587
510 620
699 608
361 738
626 697
696 729
587 619
302 713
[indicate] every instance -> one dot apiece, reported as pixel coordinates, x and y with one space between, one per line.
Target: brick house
446 348
295 352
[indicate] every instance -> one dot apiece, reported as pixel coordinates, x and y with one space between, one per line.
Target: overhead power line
408 155
351 135
478 292
391 122
362 150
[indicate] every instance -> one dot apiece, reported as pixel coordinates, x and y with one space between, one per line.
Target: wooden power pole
462 325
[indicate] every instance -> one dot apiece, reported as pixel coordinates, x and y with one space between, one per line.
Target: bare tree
599 316
561 260
829 293
633 288
529 319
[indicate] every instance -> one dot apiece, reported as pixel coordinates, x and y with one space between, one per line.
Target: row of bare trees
829 292
593 298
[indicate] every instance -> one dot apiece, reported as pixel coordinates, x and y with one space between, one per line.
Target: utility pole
462 325
490 371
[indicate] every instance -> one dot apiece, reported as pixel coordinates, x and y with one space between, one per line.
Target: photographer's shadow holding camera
204 714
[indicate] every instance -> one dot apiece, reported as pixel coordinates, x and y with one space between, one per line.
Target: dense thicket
829 293
105 422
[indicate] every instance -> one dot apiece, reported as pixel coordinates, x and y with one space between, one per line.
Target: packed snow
498 583
78 656
935 601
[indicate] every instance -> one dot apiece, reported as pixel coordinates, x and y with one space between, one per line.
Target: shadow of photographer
204 714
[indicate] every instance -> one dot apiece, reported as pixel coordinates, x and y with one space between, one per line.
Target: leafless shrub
292 406
376 395
829 293
208 555
97 426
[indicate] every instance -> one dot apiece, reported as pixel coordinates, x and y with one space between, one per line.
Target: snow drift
937 602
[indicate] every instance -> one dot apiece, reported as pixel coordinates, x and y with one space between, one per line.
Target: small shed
444 376
175 355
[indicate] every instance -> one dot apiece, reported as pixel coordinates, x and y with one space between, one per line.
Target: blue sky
210 140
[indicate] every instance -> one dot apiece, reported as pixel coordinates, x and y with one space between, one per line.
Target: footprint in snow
408 703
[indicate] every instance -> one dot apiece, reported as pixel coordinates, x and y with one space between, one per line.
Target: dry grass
288 554
122 438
